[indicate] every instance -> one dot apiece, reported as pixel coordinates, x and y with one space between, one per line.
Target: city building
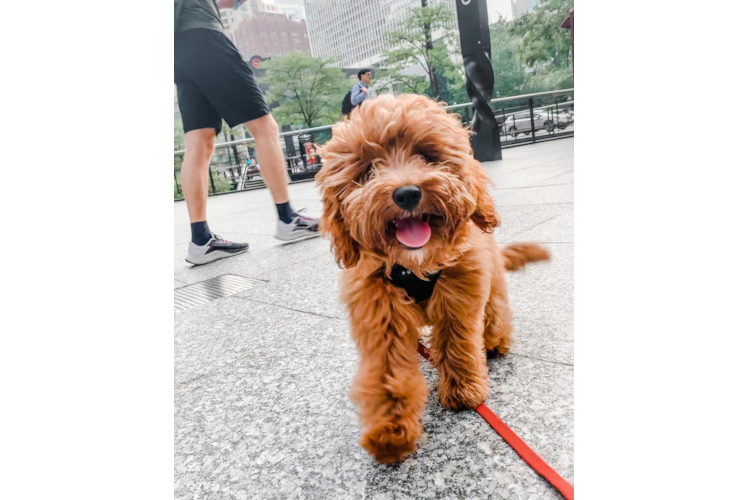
260 7
294 9
352 31
230 17
349 32
521 7
499 9
263 28
271 35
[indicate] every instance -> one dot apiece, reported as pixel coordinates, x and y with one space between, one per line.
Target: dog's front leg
457 346
389 388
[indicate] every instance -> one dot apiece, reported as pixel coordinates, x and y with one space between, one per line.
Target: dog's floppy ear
485 216
332 182
332 223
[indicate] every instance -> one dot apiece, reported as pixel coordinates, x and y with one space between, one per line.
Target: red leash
513 440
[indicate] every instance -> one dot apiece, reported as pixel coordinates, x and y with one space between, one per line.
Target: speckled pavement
261 406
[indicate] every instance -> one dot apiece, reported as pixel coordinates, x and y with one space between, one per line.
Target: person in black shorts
213 84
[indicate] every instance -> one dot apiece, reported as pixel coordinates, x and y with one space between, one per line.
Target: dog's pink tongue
412 232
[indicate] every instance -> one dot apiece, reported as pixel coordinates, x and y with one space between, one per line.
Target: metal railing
234 165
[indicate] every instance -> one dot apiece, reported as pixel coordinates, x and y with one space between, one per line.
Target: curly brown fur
391 142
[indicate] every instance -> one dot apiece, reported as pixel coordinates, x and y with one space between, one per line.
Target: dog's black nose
407 197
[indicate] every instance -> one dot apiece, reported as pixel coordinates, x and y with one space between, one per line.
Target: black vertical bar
233 146
210 175
179 189
433 83
302 151
503 124
532 119
290 147
558 118
475 46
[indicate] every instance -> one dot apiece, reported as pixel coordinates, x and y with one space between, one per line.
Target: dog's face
399 183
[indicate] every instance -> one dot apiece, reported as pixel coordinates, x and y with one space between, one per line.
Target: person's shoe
300 228
216 248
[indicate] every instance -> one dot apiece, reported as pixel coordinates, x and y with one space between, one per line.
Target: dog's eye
428 158
366 173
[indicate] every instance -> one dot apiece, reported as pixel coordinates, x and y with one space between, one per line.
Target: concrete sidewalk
261 405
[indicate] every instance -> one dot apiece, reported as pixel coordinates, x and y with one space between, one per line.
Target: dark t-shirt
189 14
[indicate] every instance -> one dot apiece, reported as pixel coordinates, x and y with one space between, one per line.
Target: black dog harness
416 288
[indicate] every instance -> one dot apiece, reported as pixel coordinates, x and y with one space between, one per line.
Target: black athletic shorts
214 82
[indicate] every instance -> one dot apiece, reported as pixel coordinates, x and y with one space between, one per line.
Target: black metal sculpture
475 43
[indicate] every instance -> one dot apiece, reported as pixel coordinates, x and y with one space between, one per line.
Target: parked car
562 120
565 118
520 122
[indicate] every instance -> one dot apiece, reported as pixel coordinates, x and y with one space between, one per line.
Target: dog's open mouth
412 232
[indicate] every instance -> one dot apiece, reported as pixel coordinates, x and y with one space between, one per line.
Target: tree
178 134
308 89
544 41
413 45
545 46
508 70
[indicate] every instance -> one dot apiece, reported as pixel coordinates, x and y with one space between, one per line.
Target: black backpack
347 106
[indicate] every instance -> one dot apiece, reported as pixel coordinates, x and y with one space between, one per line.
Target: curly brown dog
404 198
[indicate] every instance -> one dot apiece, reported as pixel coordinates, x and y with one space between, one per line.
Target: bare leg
199 148
270 156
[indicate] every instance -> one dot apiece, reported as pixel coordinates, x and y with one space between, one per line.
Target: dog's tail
517 255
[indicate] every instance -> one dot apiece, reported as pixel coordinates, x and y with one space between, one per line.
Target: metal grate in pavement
215 288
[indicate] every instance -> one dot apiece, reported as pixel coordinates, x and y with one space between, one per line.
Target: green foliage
221 183
308 89
509 71
530 54
543 40
533 53
549 78
178 134
413 44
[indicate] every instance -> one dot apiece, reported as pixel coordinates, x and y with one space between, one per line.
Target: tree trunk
429 46
427 29
236 154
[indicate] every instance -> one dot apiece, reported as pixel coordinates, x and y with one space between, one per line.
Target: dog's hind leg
498 320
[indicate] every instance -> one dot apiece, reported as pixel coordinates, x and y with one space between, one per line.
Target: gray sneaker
300 228
216 248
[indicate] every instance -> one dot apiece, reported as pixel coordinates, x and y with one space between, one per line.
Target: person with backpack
359 93
215 84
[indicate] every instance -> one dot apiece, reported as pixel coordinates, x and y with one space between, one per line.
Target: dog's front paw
499 350
457 395
390 442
